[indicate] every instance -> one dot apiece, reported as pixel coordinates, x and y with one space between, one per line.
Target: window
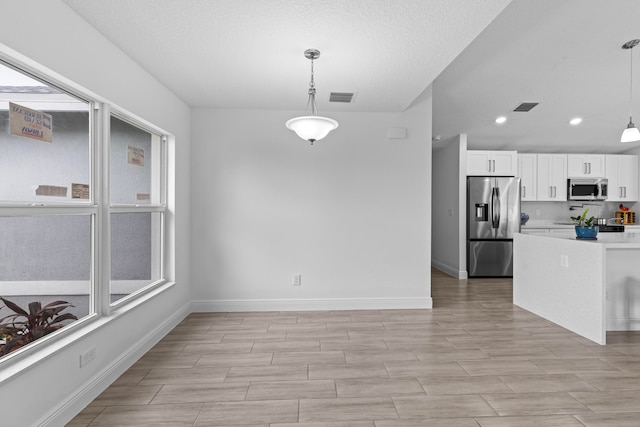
136 186
46 258
57 215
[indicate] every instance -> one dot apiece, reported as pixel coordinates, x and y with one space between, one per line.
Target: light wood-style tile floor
474 360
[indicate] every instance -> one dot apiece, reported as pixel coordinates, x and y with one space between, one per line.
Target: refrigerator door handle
495 207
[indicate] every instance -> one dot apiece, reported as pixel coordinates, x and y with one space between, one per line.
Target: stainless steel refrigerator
493 216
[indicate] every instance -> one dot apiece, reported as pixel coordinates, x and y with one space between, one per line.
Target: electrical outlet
297 279
87 357
564 261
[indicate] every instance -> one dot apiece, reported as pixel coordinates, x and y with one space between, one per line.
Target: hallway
474 360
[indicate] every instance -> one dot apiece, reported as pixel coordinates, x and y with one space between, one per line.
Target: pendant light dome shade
631 133
311 128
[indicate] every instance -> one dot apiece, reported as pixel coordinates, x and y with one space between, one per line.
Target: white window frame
98 208
113 208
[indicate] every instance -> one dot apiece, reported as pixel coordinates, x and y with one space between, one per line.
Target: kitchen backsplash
560 211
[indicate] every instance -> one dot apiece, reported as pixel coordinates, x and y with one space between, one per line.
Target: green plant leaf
34 307
14 307
56 303
63 317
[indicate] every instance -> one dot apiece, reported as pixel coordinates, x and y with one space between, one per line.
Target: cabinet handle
489 169
625 192
524 191
494 166
621 191
585 168
550 191
589 168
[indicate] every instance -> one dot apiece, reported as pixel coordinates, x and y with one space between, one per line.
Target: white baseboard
96 385
451 271
623 324
204 306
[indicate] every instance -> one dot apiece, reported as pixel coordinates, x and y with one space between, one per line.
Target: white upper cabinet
586 166
622 173
491 163
552 177
528 174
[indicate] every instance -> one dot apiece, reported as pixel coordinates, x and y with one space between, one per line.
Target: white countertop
609 240
545 224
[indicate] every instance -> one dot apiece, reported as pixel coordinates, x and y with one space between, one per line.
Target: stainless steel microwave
587 188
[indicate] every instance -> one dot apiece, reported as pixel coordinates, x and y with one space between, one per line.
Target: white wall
351 214
449 213
59 40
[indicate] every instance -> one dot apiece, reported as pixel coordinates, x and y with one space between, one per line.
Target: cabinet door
586 165
559 177
596 165
552 177
505 163
491 163
628 174
622 173
528 173
479 163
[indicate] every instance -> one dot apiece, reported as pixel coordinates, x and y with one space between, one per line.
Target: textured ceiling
249 53
565 54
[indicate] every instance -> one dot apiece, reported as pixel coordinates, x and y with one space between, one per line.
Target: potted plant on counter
584 226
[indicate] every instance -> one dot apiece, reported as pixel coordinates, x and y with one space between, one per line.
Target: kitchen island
586 286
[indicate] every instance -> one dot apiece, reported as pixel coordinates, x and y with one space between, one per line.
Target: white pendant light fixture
312 128
631 133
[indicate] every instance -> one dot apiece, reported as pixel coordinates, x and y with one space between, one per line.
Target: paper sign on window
51 190
30 123
80 191
135 155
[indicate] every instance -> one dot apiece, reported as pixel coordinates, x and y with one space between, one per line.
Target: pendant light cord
312 94
631 83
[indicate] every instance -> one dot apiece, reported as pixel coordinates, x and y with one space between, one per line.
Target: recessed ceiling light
575 121
501 120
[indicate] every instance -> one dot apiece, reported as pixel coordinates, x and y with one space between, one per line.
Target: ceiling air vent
341 97
525 107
